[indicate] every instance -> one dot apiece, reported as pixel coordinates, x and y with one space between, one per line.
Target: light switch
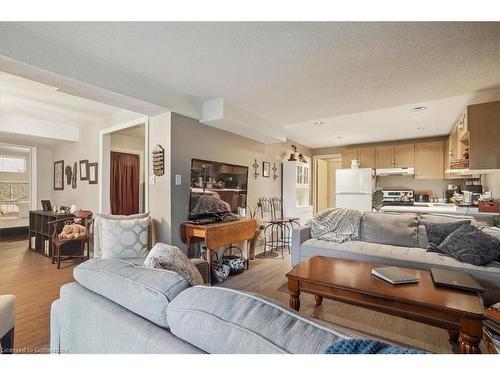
178 179
152 180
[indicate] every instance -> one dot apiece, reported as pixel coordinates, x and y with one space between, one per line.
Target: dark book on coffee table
455 279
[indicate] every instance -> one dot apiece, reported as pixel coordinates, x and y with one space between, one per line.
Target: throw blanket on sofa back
336 224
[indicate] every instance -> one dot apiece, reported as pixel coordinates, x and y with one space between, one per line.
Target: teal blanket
368 347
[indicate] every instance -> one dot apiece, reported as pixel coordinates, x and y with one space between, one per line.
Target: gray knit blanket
336 225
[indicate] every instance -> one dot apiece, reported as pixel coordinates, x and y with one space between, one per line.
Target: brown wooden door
385 156
429 160
124 183
367 157
404 155
347 155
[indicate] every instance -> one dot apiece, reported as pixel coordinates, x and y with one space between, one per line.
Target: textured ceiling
289 72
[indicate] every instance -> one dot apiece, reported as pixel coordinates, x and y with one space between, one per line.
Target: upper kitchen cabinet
404 155
395 156
483 125
385 156
349 154
429 160
367 157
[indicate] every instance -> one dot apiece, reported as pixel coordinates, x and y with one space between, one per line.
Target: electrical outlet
178 179
152 180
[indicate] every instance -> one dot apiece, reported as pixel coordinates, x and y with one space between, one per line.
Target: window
12 164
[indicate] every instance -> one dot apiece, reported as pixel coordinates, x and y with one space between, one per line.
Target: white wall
491 182
86 196
44 172
160 203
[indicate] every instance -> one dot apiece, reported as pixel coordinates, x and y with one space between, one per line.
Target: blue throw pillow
358 346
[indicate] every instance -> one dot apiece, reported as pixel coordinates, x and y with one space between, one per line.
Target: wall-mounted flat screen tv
216 189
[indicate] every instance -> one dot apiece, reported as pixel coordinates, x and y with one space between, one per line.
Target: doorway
124 190
18 185
324 181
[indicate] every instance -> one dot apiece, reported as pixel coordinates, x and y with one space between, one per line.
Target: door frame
315 176
104 151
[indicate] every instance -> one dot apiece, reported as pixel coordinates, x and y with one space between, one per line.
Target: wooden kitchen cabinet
395 156
385 156
349 154
367 157
429 160
483 121
404 155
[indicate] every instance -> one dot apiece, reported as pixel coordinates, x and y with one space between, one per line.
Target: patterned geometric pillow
170 258
124 238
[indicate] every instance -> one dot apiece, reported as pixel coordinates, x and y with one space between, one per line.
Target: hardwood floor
36 283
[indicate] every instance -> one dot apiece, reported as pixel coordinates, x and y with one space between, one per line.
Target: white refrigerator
354 187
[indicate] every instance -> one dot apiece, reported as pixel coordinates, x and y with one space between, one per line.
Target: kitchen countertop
439 208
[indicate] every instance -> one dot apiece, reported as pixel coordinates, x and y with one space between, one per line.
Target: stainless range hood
395 171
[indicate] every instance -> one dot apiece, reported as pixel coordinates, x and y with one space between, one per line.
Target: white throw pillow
171 258
123 238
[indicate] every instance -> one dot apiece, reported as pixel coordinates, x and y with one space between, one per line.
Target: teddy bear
73 231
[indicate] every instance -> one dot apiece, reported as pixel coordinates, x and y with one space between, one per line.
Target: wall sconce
255 167
275 175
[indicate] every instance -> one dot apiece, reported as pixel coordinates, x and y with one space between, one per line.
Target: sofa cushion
221 320
398 229
144 291
471 245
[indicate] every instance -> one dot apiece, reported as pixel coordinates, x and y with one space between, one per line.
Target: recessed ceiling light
418 109
420 128
318 123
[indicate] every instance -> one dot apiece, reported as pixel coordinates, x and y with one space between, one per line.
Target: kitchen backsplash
438 187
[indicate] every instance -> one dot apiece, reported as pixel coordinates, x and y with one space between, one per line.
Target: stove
399 197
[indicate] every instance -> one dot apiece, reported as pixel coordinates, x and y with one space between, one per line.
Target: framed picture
92 173
266 169
46 205
84 170
59 175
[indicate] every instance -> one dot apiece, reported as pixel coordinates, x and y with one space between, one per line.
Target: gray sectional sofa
398 239
117 307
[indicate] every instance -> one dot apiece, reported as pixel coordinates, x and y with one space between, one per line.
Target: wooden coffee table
459 312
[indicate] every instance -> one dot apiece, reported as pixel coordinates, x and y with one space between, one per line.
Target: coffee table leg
293 288
471 333
318 300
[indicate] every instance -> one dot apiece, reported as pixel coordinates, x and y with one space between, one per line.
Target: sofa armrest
299 236
55 327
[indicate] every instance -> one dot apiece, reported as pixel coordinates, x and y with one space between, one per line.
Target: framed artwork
46 205
266 169
92 173
84 170
59 175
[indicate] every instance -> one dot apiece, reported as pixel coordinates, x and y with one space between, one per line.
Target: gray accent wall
190 139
